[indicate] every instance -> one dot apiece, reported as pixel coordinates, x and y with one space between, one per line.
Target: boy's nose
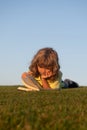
44 72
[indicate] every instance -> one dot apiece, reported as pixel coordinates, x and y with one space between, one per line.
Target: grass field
44 110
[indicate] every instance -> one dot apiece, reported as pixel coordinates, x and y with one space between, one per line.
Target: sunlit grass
44 110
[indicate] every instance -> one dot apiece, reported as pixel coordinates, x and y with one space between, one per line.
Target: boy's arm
45 83
26 73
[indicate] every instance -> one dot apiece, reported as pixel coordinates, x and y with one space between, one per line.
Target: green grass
44 110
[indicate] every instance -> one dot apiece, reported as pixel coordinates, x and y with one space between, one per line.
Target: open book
30 84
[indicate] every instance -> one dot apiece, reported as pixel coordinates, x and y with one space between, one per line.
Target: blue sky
28 25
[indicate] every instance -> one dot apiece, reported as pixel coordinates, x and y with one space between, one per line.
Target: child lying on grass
44 72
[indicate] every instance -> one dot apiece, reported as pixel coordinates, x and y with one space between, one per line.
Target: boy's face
45 73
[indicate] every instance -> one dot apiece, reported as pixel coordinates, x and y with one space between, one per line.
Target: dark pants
70 84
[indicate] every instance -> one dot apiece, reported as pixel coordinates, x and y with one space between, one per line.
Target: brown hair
45 58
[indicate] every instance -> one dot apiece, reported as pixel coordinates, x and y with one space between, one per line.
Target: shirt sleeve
57 83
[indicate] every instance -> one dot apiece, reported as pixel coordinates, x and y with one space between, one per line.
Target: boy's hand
26 74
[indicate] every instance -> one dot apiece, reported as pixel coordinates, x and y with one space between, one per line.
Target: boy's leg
70 84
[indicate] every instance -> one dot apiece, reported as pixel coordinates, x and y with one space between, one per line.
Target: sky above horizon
28 25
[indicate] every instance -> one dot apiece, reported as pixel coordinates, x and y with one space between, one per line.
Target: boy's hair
45 58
